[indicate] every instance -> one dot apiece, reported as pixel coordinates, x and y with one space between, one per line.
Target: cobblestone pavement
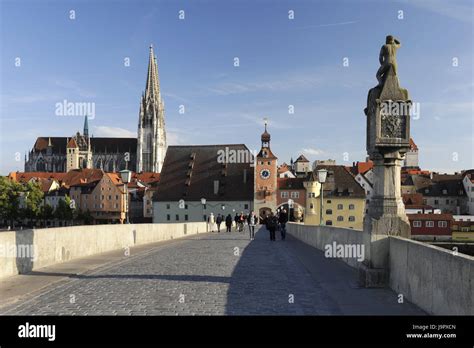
214 274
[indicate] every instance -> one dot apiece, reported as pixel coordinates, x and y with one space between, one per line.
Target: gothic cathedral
145 153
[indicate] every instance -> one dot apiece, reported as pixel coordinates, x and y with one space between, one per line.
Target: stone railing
27 250
435 279
322 236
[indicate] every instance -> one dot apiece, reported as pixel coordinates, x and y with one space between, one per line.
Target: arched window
340 207
352 218
328 211
329 222
351 207
340 218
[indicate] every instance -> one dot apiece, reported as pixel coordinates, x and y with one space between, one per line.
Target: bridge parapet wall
435 279
26 250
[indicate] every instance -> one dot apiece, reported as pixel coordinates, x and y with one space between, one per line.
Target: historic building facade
266 174
143 154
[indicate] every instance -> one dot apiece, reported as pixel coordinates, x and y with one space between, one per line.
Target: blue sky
282 62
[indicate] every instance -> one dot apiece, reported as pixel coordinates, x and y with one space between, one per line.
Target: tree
32 201
46 213
64 210
10 192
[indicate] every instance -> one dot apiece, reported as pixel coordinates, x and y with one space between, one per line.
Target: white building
468 183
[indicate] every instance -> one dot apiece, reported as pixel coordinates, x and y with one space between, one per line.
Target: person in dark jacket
218 222
236 219
283 219
272 225
228 222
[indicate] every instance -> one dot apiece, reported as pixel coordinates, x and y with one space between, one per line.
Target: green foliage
10 192
64 210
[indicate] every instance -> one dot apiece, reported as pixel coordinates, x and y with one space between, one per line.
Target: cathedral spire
151 140
152 83
86 127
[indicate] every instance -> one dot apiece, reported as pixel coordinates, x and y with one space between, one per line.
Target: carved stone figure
387 58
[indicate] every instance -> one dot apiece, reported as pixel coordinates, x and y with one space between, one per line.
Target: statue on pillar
388 139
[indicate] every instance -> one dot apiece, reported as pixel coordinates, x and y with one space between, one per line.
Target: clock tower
265 200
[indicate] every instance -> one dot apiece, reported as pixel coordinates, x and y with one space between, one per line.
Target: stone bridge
187 273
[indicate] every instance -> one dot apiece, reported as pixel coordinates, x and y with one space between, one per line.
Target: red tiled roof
71 143
413 146
301 158
147 177
412 199
24 177
290 183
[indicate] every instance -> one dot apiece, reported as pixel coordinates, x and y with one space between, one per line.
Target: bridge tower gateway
265 200
388 139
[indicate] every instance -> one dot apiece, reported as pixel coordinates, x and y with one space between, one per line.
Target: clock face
264 173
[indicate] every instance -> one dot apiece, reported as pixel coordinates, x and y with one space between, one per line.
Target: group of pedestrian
274 222
239 220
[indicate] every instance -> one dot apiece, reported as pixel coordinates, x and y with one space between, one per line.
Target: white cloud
312 151
111 132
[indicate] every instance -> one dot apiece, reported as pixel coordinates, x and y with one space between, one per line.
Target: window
185 206
328 201
116 206
284 194
295 195
416 223
177 217
168 217
340 207
351 207
102 197
328 211
116 197
436 201
447 201
246 206
167 206
368 192
311 206
269 163
110 197
328 222
429 224
340 218
445 192
186 218
443 224
352 218
425 201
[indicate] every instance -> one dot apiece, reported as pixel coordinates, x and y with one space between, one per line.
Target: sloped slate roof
183 177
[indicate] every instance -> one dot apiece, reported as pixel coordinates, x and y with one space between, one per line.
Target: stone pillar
388 136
